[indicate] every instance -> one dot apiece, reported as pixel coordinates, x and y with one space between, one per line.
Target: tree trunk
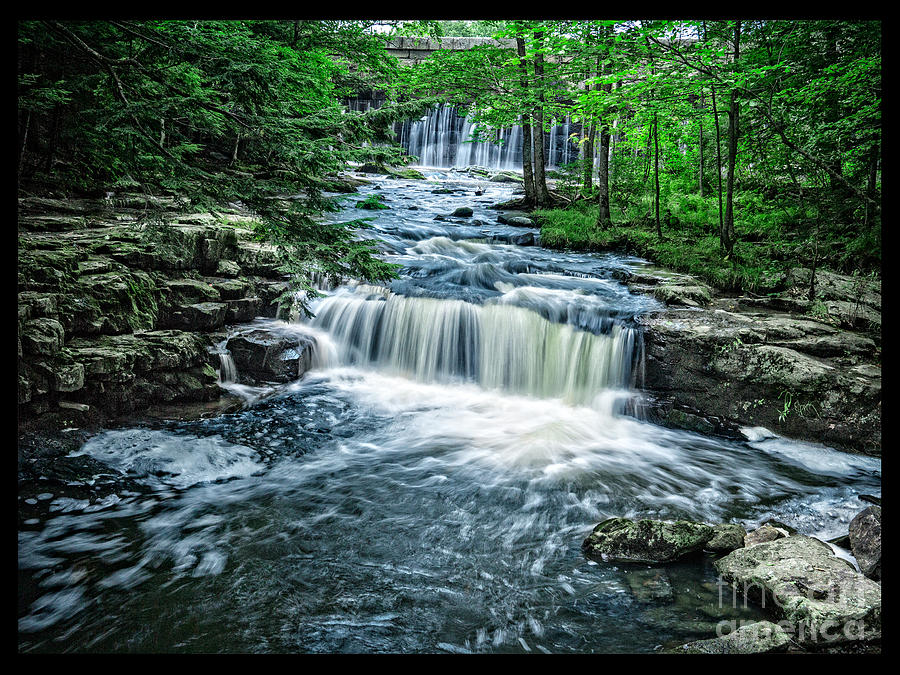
587 152
656 171
237 145
24 143
727 234
718 162
540 176
527 154
604 218
872 186
700 181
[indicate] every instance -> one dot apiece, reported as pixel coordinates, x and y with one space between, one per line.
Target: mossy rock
649 541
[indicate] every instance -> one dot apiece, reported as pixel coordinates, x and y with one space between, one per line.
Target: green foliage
372 202
217 111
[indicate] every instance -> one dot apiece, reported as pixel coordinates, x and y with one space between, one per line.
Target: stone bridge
410 50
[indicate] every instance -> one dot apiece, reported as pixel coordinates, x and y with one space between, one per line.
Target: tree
211 112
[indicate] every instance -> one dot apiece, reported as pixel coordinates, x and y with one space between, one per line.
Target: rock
749 370
690 296
822 597
79 407
645 540
228 268
243 309
62 373
726 538
264 356
506 178
651 585
526 239
202 316
462 212
42 337
231 289
865 541
189 291
764 534
762 637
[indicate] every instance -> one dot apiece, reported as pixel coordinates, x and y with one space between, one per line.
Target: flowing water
427 485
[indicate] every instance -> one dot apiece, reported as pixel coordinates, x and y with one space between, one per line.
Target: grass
770 241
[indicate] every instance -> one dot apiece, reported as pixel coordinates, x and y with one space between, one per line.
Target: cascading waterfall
227 368
498 346
443 139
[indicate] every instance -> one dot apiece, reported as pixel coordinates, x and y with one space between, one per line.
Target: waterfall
498 346
441 139
227 368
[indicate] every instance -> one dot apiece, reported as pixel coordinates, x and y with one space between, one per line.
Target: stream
427 485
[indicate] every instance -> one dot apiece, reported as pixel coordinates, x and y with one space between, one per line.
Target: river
427 485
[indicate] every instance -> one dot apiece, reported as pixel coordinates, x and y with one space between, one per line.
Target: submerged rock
645 540
865 541
651 585
762 637
822 597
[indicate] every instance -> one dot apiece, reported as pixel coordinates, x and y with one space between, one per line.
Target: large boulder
822 597
645 540
264 356
865 541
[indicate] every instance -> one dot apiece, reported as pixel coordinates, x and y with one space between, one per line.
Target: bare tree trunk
700 181
540 176
604 218
656 171
587 152
733 132
871 187
24 143
237 145
527 154
718 161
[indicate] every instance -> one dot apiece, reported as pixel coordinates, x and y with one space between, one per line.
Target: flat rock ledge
822 598
715 364
761 637
115 314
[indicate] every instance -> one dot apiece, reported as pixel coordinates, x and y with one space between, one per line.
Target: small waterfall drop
227 368
497 346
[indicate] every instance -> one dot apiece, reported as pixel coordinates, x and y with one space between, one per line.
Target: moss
144 306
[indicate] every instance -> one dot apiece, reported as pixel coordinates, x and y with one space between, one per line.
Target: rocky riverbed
487 484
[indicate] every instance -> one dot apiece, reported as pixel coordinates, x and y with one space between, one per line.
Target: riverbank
720 359
117 313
